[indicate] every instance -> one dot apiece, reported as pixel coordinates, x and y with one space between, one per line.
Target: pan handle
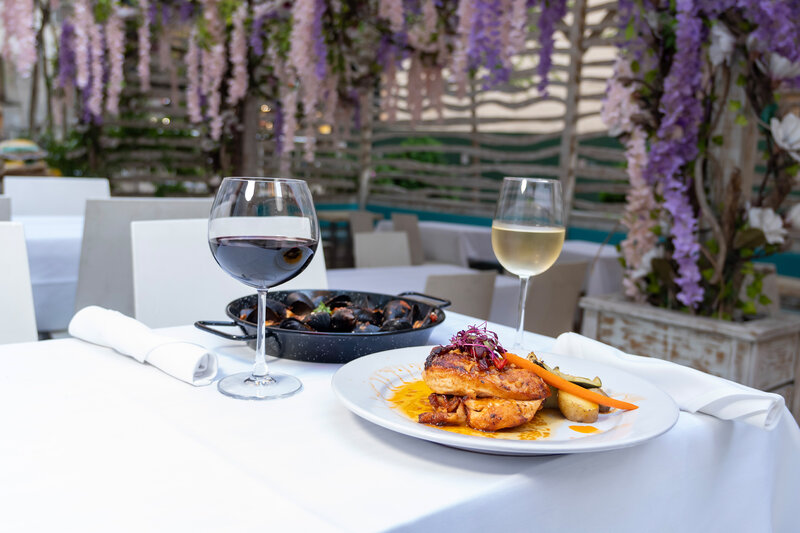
204 325
442 302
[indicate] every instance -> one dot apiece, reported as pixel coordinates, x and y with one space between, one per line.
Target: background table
54 251
448 242
94 441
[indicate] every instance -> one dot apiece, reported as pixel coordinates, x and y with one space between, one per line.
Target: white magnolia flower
786 133
781 68
722 43
769 222
793 216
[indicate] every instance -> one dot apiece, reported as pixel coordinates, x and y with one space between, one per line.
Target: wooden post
249 147
567 158
365 157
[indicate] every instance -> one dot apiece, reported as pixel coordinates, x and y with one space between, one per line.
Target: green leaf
734 105
749 238
764 299
651 77
741 81
741 120
718 140
746 253
749 308
713 246
635 66
707 273
792 169
630 31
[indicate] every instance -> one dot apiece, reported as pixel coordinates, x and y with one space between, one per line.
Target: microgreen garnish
322 308
482 345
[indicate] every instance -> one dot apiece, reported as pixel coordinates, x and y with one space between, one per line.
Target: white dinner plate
366 384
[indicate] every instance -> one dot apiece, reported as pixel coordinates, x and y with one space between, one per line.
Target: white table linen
54 251
449 242
691 389
100 443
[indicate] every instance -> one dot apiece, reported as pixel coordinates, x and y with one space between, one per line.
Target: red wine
263 261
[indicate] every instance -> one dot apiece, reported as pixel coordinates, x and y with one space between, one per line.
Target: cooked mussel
299 303
366 327
274 312
294 325
320 321
373 316
395 309
396 324
343 319
340 300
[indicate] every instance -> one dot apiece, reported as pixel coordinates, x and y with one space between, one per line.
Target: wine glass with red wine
263 232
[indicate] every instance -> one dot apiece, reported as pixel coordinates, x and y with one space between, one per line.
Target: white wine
526 250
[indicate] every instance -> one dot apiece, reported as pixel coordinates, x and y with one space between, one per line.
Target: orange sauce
411 399
584 429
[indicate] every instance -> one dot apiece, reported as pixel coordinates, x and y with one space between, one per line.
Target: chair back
17 315
553 295
5 208
469 294
105 276
409 223
361 222
53 196
176 280
381 248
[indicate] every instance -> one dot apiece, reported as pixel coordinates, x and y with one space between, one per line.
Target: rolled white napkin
180 359
691 389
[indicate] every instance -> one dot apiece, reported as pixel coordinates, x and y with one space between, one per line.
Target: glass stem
260 369
523 294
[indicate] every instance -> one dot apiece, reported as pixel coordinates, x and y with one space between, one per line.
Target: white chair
17 315
469 294
176 280
553 295
409 223
381 248
53 196
105 277
5 208
361 222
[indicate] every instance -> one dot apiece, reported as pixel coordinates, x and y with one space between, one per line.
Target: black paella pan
328 346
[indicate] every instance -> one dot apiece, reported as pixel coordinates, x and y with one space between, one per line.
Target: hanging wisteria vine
311 59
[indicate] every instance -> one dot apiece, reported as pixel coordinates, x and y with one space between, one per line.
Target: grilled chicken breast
487 399
456 373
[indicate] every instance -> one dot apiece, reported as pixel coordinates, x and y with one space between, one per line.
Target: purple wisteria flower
257 36
675 146
320 50
552 12
485 44
66 55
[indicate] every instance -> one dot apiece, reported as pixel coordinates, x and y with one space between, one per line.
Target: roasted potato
603 408
577 409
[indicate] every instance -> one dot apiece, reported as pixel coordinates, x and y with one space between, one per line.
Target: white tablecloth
395 280
448 242
94 441
54 251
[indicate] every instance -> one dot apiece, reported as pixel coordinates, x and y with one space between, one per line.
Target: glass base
246 386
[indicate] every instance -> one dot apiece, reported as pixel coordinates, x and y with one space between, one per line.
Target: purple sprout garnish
482 345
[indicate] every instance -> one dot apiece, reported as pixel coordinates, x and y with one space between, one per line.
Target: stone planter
761 353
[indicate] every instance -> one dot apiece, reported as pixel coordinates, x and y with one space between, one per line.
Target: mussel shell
396 324
299 303
320 321
294 324
340 300
343 319
366 327
373 316
395 309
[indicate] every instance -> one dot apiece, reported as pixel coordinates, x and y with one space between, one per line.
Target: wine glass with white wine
528 232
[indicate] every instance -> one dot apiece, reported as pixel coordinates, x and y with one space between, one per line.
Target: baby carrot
562 384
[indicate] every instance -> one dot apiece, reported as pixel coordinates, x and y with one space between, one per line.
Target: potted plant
698 93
